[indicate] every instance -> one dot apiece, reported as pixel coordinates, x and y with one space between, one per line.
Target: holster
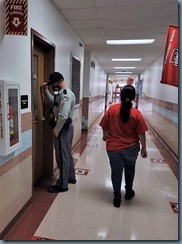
52 122
67 123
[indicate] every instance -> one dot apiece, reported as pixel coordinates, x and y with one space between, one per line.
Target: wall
15 50
15 64
97 88
94 88
162 100
97 80
94 79
152 86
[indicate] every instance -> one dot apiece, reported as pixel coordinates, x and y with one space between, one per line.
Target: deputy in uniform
63 103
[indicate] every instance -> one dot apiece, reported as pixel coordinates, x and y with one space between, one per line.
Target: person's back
121 135
123 128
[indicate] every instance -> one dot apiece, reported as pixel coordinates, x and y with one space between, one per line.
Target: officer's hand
44 86
56 134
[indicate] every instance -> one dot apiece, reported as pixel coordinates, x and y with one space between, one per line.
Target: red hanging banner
170 63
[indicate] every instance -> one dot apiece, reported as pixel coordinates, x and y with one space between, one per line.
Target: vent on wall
76 66
92 64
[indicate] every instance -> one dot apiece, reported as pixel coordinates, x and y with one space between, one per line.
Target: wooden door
38 115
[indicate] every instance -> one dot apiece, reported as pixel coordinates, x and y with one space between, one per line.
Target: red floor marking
157 160
39 238
81 171
174 206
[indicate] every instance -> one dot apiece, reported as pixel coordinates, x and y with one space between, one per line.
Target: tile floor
86 211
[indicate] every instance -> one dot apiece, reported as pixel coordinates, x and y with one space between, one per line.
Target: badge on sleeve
65 99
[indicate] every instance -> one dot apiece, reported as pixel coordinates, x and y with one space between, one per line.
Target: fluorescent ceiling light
124 67
122 75
123 72
130 42
126 59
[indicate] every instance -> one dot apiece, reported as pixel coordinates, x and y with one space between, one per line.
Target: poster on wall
16 17
170 62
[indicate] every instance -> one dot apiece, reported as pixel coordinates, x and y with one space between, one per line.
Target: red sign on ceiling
16 17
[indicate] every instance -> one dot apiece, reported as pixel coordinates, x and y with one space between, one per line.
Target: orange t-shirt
122 135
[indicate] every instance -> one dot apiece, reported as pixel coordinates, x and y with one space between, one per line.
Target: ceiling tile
95 21
73 4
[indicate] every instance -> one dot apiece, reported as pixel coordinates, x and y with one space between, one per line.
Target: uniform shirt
122 135
65 100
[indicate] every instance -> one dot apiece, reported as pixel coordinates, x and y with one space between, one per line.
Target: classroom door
38 114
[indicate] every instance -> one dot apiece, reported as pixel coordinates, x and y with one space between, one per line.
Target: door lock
42 118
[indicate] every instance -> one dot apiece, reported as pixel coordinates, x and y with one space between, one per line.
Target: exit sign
16 17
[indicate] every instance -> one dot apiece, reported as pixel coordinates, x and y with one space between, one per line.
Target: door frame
49 49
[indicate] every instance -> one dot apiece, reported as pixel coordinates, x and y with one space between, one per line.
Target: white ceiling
96 21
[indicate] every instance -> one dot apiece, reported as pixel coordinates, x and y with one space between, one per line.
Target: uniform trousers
125 158
64 159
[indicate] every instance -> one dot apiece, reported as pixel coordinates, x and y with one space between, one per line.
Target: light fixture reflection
126 59
124 67
102 233
130 42
123 72
108 183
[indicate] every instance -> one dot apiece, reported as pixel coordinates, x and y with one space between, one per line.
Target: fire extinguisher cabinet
10 117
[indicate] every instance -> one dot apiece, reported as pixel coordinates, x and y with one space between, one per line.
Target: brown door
43 55
38 115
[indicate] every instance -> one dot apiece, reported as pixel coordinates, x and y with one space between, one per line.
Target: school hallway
96 47
86 211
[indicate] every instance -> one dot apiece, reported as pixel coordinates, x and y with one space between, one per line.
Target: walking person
63 103
123 130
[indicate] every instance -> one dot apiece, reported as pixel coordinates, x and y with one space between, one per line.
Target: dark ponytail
127 96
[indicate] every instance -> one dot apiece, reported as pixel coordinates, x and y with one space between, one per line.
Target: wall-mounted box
10 117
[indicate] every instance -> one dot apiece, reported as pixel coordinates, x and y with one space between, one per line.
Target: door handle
35 121
42 118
